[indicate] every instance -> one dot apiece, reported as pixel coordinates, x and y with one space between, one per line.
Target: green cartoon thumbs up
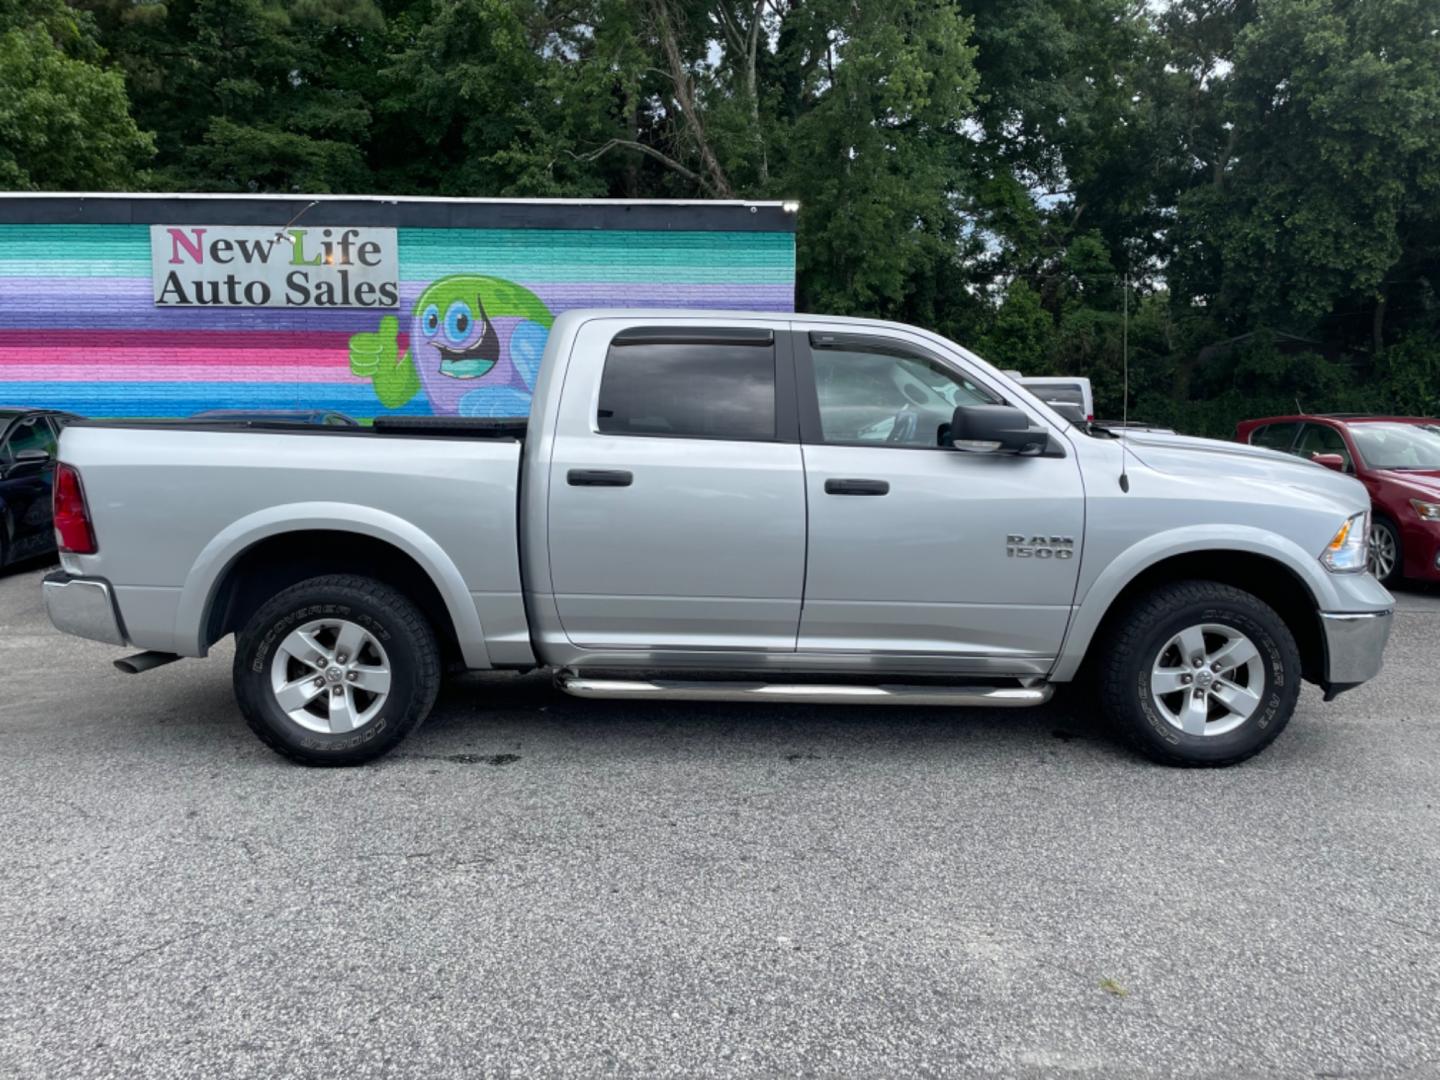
377 357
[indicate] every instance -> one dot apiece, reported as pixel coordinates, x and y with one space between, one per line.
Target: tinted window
1317 439
1274 436
711 391
1064 395
888 398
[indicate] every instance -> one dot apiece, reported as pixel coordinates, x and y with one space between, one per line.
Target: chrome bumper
83 607
1354 646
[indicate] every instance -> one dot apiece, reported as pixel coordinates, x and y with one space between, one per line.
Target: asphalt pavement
534 885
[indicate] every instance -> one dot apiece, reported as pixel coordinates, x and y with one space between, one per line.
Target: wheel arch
1264 574
257 557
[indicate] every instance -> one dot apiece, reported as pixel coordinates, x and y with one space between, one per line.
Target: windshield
1398 446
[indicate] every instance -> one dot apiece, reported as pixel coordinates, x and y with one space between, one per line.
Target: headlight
1428 511
1348 552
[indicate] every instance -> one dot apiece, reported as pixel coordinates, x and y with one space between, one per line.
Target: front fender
202 582
1330 592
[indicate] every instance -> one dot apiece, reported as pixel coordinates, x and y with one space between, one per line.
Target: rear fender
202 582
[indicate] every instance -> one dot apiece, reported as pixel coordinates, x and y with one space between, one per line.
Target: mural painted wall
80 330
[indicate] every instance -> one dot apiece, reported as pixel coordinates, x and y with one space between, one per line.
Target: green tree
64 119
1324 195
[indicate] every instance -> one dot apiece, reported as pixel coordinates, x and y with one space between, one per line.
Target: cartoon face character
474 348
462 338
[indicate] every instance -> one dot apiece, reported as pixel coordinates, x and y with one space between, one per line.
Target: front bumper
84 607
1354 647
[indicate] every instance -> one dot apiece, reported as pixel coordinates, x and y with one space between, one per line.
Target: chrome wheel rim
1207 680
1382 551
330 676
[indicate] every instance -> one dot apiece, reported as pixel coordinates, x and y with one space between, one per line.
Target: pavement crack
152 949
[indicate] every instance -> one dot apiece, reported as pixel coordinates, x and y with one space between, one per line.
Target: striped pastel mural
79 328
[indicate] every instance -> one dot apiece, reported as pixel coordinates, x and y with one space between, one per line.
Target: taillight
73 532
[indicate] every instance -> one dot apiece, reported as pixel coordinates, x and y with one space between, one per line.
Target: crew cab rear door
676 514
916 549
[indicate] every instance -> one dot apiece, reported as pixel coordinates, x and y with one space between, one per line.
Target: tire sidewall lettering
1272 661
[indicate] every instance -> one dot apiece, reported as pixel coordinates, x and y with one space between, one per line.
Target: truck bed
176 502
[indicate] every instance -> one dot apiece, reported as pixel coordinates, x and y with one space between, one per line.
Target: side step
992 697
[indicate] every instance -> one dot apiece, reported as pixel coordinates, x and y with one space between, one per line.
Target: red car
1396 457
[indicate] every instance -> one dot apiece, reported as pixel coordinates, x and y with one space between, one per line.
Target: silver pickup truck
726 506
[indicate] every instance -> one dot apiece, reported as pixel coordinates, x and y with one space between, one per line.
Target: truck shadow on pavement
493 719
501 719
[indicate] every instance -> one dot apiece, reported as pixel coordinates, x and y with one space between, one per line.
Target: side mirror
994 429
1330 461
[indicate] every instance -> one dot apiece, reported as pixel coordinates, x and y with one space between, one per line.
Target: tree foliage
1259 180
64 119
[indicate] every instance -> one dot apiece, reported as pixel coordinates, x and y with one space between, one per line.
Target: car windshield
1398 446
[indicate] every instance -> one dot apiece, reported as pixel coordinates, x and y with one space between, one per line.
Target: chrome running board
991 697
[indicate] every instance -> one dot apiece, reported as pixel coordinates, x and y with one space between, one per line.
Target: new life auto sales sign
247 266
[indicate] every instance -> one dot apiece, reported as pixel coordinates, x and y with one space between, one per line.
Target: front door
677 491
920 550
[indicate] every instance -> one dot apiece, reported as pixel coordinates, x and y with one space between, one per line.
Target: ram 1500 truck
723 506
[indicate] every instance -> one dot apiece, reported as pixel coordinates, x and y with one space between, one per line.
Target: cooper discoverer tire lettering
336 670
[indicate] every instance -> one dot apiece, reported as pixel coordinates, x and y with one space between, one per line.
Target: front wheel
336 670
1198 673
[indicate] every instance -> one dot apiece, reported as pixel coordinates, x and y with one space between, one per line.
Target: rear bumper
1354 647
84 607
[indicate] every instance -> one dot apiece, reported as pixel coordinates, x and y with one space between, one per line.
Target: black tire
1397 572
1140 634
410 648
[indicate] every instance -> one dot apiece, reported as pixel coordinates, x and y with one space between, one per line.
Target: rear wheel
336 670
1200 674
1386 557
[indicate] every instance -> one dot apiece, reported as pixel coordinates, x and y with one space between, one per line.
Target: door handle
857 487
599 478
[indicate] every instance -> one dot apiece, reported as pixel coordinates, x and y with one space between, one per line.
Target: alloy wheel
330 676
1207 680
1383 553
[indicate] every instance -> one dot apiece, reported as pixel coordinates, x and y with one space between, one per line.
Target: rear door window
695 390
1275 436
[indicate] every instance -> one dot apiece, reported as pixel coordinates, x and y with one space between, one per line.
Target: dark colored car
1397 458
27 468
323 417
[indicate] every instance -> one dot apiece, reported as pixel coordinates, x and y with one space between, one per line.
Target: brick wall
79 329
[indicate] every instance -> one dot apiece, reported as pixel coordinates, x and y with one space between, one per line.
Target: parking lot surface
535 885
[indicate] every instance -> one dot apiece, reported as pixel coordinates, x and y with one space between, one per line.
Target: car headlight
1428 511
1349 551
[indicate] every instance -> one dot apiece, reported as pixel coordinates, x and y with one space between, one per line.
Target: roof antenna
1125 382
1299 409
